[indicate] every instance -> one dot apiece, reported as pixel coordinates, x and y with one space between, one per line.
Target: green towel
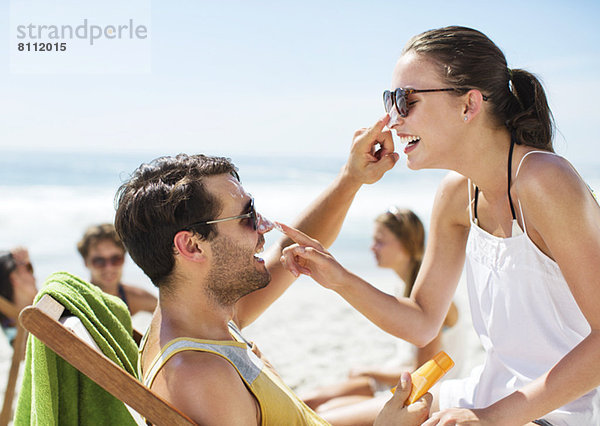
55 393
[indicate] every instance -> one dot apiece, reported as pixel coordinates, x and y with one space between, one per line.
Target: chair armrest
41 320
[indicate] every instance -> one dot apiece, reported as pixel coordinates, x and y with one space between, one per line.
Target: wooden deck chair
75 345
11 311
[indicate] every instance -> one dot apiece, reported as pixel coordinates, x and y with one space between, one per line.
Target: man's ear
190 246
473 104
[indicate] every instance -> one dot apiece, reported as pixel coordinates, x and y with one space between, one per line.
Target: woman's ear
473 104
190 246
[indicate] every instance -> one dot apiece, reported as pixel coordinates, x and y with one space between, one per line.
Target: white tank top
526 319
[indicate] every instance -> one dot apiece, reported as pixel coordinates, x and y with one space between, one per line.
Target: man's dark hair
162 198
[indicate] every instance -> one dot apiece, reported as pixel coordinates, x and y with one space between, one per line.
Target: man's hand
372 153
395 413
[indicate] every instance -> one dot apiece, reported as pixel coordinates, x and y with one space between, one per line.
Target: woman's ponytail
529 117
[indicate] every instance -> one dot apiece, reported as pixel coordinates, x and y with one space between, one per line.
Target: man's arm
209 390
323 219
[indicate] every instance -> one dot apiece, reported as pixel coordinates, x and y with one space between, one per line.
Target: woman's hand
372 153
394 412
456 416
310 258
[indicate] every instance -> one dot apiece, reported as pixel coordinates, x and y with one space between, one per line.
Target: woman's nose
395 118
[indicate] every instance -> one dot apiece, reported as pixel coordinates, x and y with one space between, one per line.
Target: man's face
236 270
105 262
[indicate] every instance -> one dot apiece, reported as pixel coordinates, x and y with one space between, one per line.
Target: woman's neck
484 161
404 272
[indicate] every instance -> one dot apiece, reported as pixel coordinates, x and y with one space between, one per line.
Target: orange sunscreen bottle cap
444 361
427 375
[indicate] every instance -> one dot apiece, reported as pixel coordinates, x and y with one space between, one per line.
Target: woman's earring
466 117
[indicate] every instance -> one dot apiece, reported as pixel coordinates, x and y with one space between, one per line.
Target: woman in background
104 254
17 285
398 244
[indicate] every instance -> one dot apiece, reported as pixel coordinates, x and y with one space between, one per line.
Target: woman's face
388 250
105 262
22 277
435 122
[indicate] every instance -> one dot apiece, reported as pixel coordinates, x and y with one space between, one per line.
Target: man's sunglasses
102 262
399 98
250 215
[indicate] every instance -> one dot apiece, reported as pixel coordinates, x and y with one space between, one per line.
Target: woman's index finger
297 236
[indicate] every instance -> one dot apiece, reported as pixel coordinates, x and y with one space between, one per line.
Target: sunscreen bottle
427 375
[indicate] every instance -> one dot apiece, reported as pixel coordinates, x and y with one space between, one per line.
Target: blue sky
279 77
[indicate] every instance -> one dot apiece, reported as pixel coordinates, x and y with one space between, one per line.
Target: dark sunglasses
102 262
399 98
250 215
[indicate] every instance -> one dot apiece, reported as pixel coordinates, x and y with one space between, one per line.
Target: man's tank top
278 403
526 318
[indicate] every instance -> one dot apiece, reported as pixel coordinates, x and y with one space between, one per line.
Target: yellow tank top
278 403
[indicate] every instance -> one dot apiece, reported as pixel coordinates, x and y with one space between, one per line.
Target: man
191 226
104 254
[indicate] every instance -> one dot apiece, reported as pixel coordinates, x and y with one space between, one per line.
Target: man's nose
264 225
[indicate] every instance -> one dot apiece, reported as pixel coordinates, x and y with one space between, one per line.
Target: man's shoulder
207 383
190 364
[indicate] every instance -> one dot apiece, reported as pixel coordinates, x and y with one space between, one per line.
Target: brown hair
408 228
7 266
96 233
162 198
468 59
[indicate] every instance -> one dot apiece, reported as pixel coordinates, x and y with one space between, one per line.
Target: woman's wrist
348 178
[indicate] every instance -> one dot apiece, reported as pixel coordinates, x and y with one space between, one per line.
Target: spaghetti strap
517 174
470 201
530 152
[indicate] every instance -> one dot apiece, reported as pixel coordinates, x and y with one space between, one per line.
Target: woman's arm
417 319
323 218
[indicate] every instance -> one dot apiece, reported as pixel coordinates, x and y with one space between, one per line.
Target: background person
104 255
398 244
17 284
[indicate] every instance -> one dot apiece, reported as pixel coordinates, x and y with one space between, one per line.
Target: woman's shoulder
452 198
137 294
548 174
453 185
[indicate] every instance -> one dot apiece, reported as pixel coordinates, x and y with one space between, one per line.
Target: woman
104 254
398 244
521 216
17 285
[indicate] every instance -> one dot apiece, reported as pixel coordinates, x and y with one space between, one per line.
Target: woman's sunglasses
250 215
399 98
102 262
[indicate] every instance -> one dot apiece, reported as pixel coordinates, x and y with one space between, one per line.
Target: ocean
311 335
